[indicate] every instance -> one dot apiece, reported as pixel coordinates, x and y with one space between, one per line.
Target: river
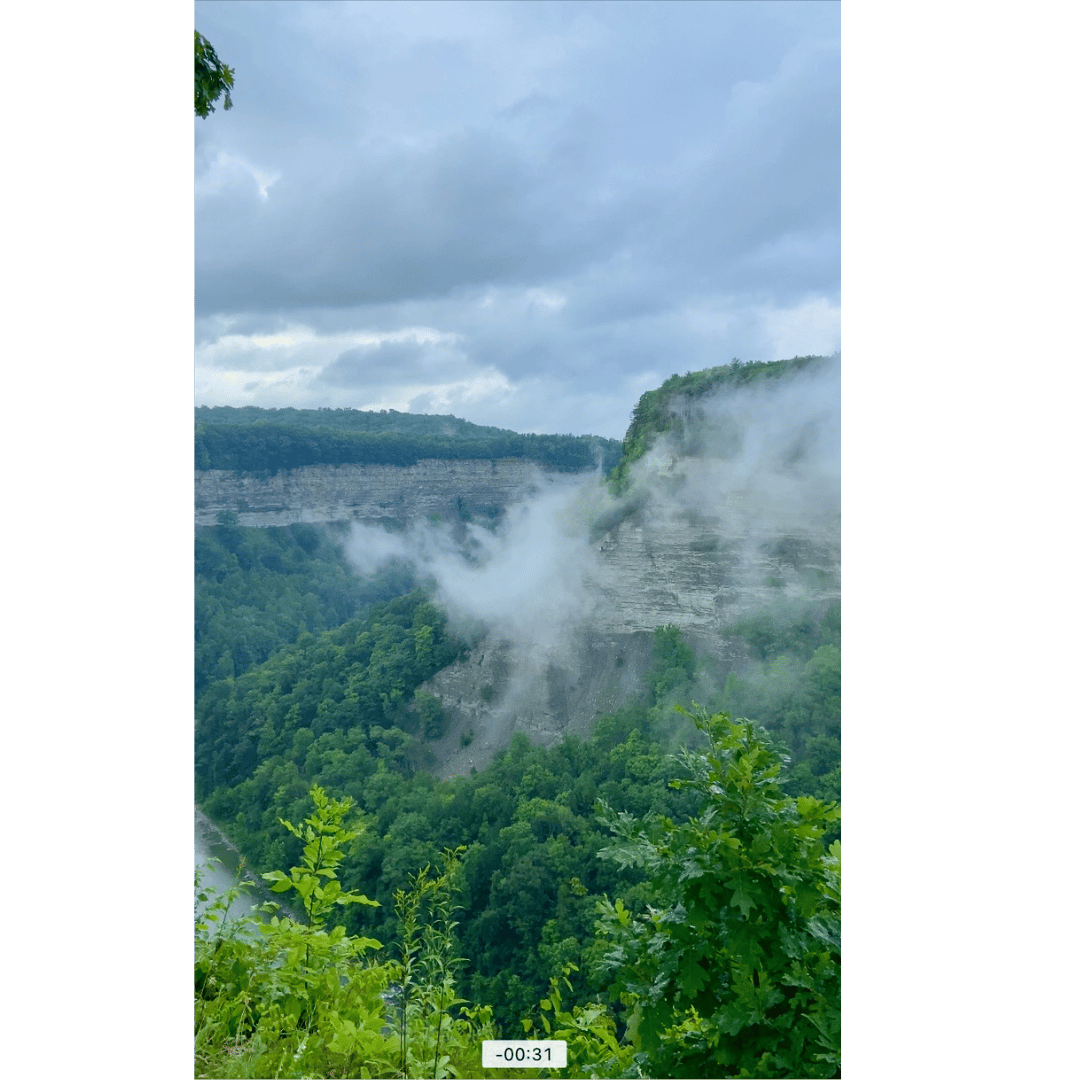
211 843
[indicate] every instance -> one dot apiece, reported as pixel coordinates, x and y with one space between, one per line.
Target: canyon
694 543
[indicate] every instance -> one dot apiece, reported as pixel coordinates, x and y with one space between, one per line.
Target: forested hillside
662 893
265 441
720 956
670 408
259 589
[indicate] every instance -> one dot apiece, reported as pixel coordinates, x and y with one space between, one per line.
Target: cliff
685 549
701 553
676 555
369 494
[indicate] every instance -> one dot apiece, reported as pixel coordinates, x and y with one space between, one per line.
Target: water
210 843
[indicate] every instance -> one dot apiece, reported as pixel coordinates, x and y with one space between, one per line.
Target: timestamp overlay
518 1053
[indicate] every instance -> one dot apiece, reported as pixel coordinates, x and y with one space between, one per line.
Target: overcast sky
525 214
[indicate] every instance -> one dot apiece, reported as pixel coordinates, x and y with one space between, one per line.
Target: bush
735 970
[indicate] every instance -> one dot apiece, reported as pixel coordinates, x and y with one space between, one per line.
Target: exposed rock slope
699 563
368 493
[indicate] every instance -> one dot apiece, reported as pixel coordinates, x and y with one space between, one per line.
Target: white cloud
558 205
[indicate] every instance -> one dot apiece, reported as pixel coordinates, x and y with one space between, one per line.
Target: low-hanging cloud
523 581
753 465
570 570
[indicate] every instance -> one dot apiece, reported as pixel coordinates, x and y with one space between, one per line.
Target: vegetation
670 409
266 441
735 968
324 711
381 422
723 959
257 590
791 686
352 686
290 998
212 78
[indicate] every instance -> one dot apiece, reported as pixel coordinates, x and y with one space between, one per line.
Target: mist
766 455
735 513
524 580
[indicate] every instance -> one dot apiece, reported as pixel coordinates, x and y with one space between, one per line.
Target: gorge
732 509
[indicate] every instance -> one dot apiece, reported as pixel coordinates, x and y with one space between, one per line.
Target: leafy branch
212 78
324 835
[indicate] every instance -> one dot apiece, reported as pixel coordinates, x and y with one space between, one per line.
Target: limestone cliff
698 542
369 493
700 554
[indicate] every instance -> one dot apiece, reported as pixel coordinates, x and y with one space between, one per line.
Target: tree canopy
735 968
720 957
666 410
212 78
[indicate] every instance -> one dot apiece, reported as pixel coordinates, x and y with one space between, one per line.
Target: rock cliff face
369 493
690 547
699 557
544 691
689 550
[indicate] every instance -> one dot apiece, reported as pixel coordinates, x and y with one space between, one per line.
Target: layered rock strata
369 493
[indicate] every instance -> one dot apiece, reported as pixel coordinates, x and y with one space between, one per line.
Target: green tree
429 708
212 78
324 835
674 662
735 969
285 998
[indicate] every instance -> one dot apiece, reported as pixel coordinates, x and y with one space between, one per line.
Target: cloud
566 196
760 460
395 361
523 582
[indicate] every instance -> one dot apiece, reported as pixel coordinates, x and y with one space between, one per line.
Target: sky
525 214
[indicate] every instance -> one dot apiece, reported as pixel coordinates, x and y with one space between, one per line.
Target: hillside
266 441
479 652
670 409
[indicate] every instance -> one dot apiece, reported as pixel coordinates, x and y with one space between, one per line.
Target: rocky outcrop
691 546
369 493
703 572
543 691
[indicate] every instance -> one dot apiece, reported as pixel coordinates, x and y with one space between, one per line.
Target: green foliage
669 408
212 78
259 589
323 835
430 711
735 968
530 876
355 682
287 999
792 687
265 441
592 1045
674 663
721 953
426 972
284 999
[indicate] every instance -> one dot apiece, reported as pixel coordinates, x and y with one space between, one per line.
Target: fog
524 580
752 467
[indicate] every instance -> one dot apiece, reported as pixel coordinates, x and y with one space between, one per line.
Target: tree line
372 421
265 447
657 411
